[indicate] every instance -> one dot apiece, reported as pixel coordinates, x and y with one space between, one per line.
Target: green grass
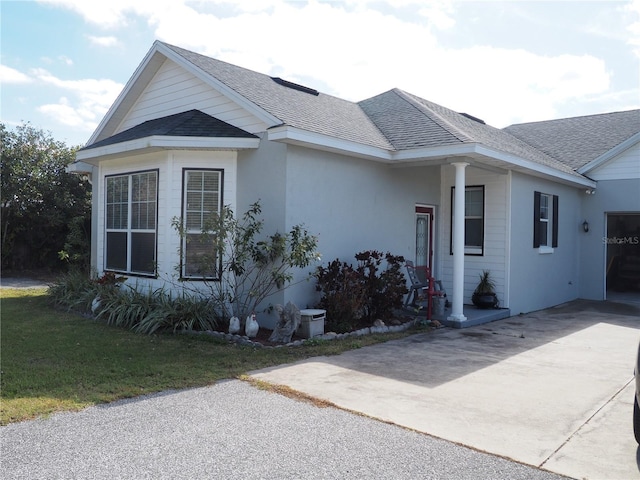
56 361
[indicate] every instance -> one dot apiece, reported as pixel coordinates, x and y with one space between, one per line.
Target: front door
424 238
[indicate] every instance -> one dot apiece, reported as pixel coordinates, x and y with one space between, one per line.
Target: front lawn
57 361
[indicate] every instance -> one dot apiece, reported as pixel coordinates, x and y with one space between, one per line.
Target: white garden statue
234 325
288 322
251 326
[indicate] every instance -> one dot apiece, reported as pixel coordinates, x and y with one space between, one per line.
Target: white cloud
10 75
86 102
358 48
65 114
103 41
634 25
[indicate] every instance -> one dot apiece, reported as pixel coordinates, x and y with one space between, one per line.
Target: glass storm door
424 237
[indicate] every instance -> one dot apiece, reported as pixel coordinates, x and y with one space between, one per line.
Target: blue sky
63 62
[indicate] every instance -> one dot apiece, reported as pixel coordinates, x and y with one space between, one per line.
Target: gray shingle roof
323 114
579 140
392 121
409 122
192 123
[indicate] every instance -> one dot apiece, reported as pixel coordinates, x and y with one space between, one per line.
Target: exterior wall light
585 226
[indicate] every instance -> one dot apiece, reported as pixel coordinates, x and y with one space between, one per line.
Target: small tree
250 268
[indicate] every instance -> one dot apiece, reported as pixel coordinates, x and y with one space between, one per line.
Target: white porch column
458 244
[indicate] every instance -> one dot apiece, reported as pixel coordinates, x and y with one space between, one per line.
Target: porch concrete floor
475 316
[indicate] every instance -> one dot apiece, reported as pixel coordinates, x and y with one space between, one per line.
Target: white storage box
311 323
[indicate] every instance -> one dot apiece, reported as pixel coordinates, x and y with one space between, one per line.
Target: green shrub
343 296
358 296
385 285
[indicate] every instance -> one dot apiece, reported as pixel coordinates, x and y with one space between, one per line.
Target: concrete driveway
552 389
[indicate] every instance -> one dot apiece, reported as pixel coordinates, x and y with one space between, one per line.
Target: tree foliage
45 210
250 266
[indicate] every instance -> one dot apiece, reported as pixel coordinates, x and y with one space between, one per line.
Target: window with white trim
545 221
202 202
131 222
473 219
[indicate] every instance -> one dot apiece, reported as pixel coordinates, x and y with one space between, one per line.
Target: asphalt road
234 430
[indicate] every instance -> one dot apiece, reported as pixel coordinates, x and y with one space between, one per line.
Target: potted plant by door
484 296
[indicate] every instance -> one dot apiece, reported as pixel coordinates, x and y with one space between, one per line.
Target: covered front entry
623 255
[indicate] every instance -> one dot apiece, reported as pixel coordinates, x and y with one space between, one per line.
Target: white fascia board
535 168
288 134
462 149
614 152
165 142
146 64
248 105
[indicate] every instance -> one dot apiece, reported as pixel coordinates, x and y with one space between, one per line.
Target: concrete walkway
552 389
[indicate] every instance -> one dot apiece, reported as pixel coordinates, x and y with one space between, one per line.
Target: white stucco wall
351 204
541 280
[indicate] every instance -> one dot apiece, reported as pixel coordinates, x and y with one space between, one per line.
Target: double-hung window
131 222
473 219
202 201
545 221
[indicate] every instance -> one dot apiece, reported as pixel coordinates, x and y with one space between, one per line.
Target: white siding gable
624 166
174 90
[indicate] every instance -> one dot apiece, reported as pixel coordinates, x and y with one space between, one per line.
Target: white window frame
127 227
192 231
477 250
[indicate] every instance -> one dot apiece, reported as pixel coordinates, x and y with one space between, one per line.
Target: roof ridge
442 122
578 117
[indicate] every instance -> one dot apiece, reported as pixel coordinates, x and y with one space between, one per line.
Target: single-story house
552 209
